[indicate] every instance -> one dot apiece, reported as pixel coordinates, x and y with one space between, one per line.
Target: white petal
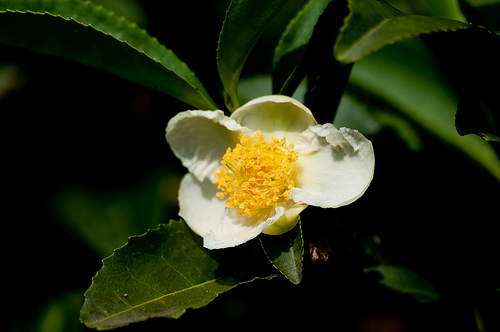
199 206
334 167
275 115
235 230
208 216
200 139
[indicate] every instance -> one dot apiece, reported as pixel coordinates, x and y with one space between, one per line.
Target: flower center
256 174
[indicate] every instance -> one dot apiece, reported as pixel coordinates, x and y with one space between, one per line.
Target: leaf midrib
156 299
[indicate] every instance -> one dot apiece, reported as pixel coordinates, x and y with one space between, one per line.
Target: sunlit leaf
82 32
161 274
373 24
445 8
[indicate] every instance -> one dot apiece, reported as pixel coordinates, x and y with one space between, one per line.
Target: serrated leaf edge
289 26
347 60
93 324
131 25
108 34
302 254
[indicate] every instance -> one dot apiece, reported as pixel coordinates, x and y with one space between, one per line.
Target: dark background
64 126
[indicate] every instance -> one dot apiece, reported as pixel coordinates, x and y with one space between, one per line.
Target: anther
256 174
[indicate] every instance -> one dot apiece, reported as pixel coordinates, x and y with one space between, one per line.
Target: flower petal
200 139
275 115
335 167
199 206
235 230
208 216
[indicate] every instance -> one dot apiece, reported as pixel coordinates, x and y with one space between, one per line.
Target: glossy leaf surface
244 24
300 29
286 252
82 32
293 43
373 24
160 274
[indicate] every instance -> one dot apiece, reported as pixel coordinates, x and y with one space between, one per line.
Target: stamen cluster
256 174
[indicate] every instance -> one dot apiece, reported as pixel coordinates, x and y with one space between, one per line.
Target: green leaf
306 51
82 32
445 8
161 274
406 77
326 77
286 252
373 24
406 281
293 43
299 30
244 24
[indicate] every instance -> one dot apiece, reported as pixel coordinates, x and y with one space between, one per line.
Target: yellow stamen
256 174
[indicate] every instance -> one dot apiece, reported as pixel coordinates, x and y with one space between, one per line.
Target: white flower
258 169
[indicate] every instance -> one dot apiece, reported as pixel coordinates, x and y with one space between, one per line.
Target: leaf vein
157 299
142 282
173 268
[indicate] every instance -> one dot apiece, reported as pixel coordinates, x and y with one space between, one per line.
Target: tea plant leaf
88 34
286 252
300 29
293 43
406 77
244 24
373 24
161 274
406 281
